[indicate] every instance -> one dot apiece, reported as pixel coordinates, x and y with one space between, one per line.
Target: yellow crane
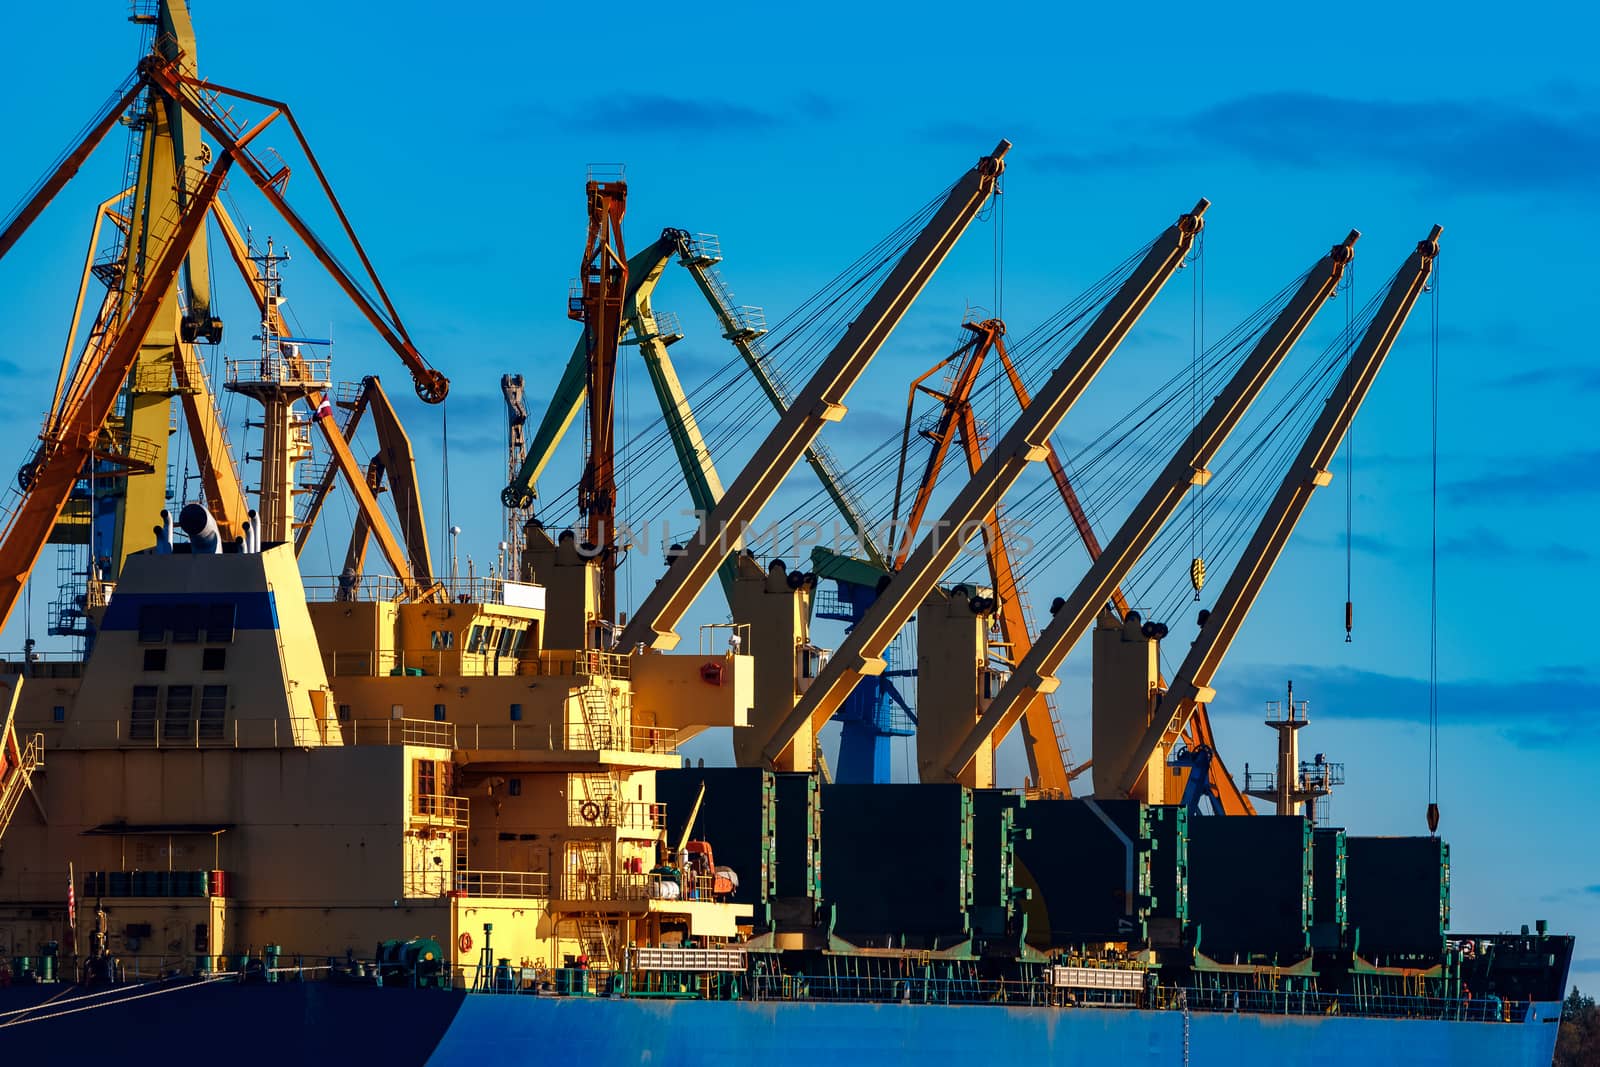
861 652
80 431
1191 685
820 401
1189 466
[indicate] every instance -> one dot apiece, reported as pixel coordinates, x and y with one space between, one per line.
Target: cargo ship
414 817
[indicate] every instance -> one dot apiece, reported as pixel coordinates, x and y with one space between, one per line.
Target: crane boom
1198 732
861 652
683 429
199 99
1192 683
69 444
603 286
332 435
1187 467
700 259
820 402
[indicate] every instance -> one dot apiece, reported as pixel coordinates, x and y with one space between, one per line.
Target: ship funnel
201 528
164 534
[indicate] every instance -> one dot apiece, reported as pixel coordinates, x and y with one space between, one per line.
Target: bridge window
508 638
444 639
186 623
179 714
142 720
155 659
212 659
220 622
213 710
152 623
475 639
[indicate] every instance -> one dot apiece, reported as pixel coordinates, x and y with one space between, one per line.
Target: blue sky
459 141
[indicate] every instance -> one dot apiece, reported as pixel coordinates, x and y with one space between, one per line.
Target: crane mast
821 401
1308 472
860 654
1187 467
602 287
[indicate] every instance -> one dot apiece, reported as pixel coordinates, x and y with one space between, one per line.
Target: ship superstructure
471 787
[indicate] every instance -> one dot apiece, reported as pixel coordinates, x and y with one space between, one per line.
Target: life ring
464 942
589 810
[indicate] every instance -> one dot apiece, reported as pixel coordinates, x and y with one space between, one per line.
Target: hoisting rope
1197 399
1349 461
444 485
1433 568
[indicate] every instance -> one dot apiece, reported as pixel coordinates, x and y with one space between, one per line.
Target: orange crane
861 652
77 434
1044 742
602 288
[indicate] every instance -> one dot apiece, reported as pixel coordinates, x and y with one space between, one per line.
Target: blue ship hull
324 1022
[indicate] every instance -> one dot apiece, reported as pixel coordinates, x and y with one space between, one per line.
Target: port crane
78 432
869 718
1191 684
819 402
1189 466
653 333
1044 742
597 304
1021 445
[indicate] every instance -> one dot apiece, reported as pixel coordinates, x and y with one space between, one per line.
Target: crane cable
1197 399
1349 463
1433 569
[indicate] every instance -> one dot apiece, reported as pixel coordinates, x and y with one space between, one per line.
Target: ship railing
155 731
279 370
510 736
910 989
402 732
475 883
612 886
474 589
452 663
626 814
1358 1005
438 810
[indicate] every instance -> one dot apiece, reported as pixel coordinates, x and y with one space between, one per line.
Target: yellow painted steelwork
1309 470
1189 466
1023 444
820 402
